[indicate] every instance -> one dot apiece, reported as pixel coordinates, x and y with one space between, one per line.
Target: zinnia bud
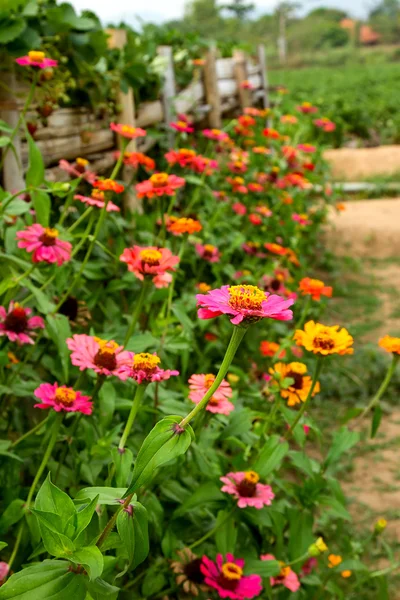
380 525
318 547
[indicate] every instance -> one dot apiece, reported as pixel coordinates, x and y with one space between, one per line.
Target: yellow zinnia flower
298 391
323 339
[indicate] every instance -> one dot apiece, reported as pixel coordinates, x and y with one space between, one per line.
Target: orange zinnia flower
314 288
109 185
390 344
324 340
298 391
275 249
270 349
184 225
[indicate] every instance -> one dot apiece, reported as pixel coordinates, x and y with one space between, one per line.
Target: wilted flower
62 398
104 357
159 184
97 199
188 572
314 288
17 325
244 303
109 185
245 487
144 367
298 391
152 262
127 131
208 252
390 344
36 58
286 577
45 245
323 339
228 578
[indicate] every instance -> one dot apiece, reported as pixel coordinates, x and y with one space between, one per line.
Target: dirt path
356 164
369 232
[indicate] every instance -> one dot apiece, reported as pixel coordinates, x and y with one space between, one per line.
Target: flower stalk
382 389
318 368
136 313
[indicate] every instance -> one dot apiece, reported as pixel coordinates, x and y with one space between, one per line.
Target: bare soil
356 164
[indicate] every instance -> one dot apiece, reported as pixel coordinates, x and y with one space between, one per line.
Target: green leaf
42 205
265 568
59 330
49 579
153 582
51 499
107 398
123 463
55 542
35 173
10 29
335 507
160 446
12 514
4 141
226 534
343 440
376 420
132 526
205 493
271 456
101 590
5 127
17 207
91 558
84 516
352 564
104 495
44 304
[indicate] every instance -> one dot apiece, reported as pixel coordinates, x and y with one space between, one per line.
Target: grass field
362 100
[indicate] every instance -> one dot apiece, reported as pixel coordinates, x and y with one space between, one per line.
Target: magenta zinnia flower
35 58
199 384
286 577
62 398
244 303
228 578
45 245
245 487
104 357
144 367
97 199
215 134
16 323
150 261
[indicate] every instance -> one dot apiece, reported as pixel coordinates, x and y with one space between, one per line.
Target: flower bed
159 373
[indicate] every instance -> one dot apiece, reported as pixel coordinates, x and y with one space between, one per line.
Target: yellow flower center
306 104
48 237
146 362
252 477
209 380
105 356
159 179
216 131
209 248
82 162
186 151
325 342
151 257
213 401
36 56
284 569
181 123
65 395
248 297
128 129
231 571
98 195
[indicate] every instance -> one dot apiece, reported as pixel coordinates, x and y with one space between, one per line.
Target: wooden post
118 39
13 179
241 75
262 61
211 88
169 90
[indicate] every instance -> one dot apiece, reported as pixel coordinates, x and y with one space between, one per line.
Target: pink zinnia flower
104 357
307 108
17 325
239 208
4 569
78 169
301 219
215 134
62 398
245 487
127 131
244 303
287 577
144 367
182 126
150 261
228 579
199 384
309 148
208 252
45 245
325 124
97 199
36 59
159 184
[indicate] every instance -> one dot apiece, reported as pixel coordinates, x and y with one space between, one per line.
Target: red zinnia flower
159 184
150 261
109 185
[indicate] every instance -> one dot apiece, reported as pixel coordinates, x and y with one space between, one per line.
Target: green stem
136 312
212 531
30 432
317 372
45 459
68 203
110 525
304 313
382 388
7 202
16 545
140 390
84 235
42 287
80 219
237 336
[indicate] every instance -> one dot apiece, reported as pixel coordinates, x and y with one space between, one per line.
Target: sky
157 11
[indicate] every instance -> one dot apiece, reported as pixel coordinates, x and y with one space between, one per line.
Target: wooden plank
188 98
212 94
252 68
225 68
149 113
13 179
241 76
262 59
255 81
169 90
227 88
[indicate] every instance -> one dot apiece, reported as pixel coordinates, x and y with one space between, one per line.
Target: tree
204 17
239 8
330 14
386 8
